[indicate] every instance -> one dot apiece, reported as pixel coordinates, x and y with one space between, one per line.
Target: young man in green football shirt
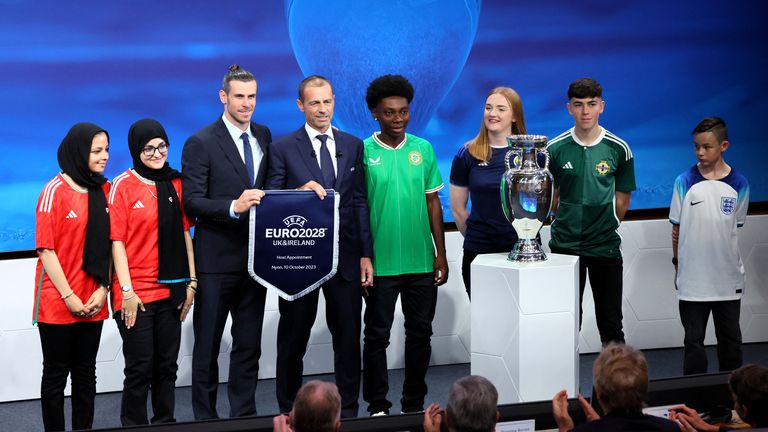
406 216
594 175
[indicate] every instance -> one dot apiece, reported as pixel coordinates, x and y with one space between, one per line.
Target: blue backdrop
663 66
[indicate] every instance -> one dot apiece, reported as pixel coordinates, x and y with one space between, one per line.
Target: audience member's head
621 379
317 408
749 385
472 405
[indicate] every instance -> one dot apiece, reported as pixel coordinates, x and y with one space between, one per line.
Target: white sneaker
379 414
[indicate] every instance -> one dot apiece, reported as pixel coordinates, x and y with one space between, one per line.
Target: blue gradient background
663 66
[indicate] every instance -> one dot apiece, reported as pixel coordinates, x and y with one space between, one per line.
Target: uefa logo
294 220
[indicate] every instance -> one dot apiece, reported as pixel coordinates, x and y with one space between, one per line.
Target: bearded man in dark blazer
224 166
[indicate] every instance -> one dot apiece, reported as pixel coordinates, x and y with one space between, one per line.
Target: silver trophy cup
526 193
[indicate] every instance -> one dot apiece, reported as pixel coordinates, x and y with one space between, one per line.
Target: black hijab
73 155
171 249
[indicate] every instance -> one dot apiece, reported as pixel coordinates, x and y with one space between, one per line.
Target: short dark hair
317 407
236 73
749 385
584 88
386 86
312 81
621 378
713 124
472 405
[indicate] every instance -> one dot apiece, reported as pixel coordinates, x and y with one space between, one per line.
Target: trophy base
527 250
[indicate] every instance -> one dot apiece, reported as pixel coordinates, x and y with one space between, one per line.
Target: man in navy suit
318 157
223 169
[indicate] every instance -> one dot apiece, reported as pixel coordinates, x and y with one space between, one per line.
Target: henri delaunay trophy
526 193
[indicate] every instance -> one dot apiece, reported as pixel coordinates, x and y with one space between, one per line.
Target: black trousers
606 277
151 350
418 298
466 269
343 302
466 264
218 295
69 349
694 316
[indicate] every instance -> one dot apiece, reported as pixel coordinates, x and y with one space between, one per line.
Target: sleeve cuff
232 213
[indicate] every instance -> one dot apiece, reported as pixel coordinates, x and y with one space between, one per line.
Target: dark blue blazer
213 174
292 164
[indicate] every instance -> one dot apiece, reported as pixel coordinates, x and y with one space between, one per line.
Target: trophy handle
546 159
514 165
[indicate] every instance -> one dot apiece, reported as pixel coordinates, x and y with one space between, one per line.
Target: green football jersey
588 177
398 180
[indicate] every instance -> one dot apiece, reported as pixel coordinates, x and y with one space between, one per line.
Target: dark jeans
69 349
606 277
151 349
218 295
418 298
343 303
694 316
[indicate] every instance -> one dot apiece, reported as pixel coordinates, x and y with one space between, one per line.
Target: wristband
68 295
674 261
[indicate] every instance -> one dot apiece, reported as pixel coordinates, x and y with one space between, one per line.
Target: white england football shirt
708 213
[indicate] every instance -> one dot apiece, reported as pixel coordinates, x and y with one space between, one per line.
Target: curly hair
386 86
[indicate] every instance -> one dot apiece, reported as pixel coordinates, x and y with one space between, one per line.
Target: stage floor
663 363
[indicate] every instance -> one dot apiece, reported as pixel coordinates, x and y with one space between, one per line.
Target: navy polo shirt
488 231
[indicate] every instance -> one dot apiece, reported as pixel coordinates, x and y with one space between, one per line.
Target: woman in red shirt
72 242
154 262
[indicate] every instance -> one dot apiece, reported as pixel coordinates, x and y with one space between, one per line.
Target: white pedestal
525 326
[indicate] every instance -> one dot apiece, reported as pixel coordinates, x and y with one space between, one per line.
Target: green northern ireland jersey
398 180
588 177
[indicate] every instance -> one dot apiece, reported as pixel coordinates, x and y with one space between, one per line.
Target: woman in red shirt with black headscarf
154 262
72 276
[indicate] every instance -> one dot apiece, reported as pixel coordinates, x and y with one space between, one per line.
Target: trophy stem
527 250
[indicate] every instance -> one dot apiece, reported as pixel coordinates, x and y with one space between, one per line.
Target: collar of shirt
236 133
599 138
330 143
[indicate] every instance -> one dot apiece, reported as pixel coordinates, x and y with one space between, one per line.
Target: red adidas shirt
60 221
133 220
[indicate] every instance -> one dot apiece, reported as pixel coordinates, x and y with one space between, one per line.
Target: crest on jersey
727 205
414 157
602 168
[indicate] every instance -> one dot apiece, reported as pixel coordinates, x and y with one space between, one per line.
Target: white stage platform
525 326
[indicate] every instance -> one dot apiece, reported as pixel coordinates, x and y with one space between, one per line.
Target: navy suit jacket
292 164
213 174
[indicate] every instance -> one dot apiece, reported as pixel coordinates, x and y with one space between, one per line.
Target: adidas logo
568 165
138 205
71 215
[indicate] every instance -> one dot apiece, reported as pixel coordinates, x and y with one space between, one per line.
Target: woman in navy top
476 173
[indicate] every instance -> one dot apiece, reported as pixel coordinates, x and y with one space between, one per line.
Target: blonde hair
479 146
620 376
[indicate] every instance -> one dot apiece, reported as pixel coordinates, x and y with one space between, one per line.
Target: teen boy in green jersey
406 216
594 175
